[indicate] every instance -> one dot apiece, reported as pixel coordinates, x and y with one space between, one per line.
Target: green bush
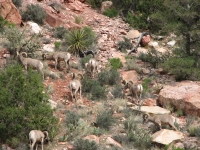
94 3
94 88
194 131
59 32
17 3
16 39
4 23
179 112
117 91
105 119
154 57
98 92
145 84
79 40
121 138
72 118
124 45
111 12
34 13
136 12
97 131
115 63
137 21
57 45
63 138
13 142
109 77
183 68
78 20
131 64
173 148
81 144
140 137
24 104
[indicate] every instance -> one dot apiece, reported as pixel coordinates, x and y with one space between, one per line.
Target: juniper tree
23 104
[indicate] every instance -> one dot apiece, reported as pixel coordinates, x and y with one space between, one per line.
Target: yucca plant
78 40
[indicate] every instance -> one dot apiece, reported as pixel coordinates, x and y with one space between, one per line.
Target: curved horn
124 82
23 53
46 135
130 82
80 75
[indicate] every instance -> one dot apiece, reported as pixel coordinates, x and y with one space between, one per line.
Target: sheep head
145 117
44 56
77 76
127 84
46 136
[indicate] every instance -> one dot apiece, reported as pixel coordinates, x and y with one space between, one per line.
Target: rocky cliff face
182 95
9 12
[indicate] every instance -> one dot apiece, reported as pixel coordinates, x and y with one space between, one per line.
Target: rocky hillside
166 96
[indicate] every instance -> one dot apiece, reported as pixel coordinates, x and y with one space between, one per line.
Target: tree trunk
138 43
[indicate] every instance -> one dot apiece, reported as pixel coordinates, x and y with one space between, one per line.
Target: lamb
36 136
57 56
92 67
135 89
75 86
31 62
159 120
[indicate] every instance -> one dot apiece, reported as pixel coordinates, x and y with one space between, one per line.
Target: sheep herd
91 68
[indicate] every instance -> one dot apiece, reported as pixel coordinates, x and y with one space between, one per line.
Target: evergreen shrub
24 105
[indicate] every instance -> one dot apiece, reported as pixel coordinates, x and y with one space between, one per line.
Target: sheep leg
80 93
32 144
173 126
72 96
136 95
36 146
75 97
92 71
42 141
26 68
76 94
67 64
56 63
159 124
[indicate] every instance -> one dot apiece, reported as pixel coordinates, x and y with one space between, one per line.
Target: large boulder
151 109
182 95
165 136
53 20
35 28
9 12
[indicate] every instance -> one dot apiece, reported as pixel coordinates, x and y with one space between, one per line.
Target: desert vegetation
25 99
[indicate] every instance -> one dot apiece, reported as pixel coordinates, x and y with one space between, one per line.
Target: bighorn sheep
159 120
134 89
92 67
31 62
57 56
36 136
75 86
